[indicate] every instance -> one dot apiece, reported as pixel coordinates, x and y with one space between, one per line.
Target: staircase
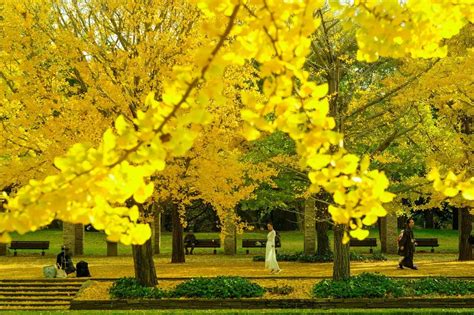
41 294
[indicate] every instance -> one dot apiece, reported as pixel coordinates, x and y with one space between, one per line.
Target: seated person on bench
189 241
64 260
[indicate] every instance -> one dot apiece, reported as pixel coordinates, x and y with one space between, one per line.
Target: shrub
364 285
129 287
218 287
280 290
441 286
301 257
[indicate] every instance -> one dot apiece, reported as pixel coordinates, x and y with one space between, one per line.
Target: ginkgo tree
94 182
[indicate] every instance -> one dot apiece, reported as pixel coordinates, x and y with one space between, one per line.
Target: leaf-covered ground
30 267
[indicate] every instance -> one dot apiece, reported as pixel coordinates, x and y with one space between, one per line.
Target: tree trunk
388 234
3 249
145 271
157 233
429 219
465 220
73 237
230 238
299 207
455 219
341 266
324 248
112 249
309 227
322 228
177 251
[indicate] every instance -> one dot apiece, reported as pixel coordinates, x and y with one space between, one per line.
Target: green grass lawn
95 244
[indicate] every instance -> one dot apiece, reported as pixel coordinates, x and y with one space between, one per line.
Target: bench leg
42 253
247 251
432 249
371 250
14 253
215 251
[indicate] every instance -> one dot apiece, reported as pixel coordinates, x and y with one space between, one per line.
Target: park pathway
41 294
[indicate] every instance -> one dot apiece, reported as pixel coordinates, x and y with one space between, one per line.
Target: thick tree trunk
388 234
145 271
112 249
324 248
230 238
177 251
73 237
465 220
3 249
309 227
157 233
299 207
341 266
429 219
455 219
322 228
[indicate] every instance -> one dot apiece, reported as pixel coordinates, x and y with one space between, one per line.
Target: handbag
60 273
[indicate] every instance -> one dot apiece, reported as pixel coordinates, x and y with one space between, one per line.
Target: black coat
408 243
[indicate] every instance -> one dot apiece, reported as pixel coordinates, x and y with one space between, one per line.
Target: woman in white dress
270 255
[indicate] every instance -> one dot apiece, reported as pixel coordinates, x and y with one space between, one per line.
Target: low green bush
439 286
129 288
301 257
365 285
280 290
218 287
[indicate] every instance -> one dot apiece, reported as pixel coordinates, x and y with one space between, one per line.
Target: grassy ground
95 244
270 311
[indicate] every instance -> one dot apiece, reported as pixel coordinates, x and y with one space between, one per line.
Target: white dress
270 255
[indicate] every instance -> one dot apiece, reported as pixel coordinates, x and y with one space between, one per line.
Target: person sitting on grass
407 246
64 261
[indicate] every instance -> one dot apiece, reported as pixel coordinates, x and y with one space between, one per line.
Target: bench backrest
365 242
256 243
426 241
208 243
29 245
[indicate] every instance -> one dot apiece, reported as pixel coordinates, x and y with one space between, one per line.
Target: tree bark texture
144 266
465 220
177 251
341 266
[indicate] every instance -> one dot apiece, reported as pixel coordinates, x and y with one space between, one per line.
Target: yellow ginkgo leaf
360 234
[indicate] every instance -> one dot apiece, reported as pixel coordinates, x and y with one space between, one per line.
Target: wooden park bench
256 243
368 242
427 242
43 245
207 243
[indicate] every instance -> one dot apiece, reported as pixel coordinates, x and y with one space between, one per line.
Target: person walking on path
407 246
270 254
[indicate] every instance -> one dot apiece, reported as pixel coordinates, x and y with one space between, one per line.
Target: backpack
277 239
399 238
50 271
82 269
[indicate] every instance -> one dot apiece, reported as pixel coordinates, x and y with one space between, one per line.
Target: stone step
36 289
41 285
35 303
35 299
29 293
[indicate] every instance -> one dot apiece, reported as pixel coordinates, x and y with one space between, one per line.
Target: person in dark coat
189 242
64 260
407 246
